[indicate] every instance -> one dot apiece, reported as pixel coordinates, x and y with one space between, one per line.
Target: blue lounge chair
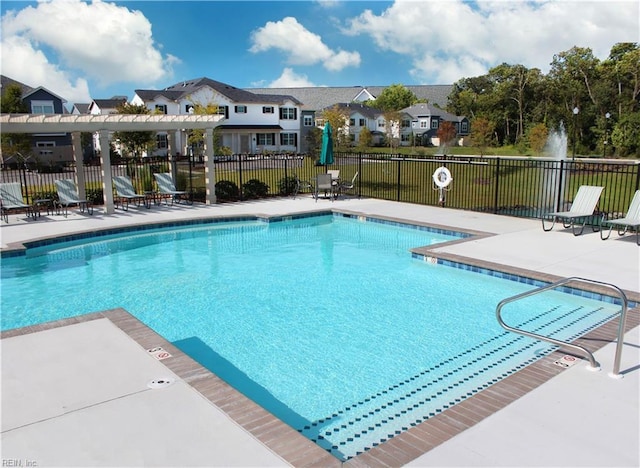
68 196
11 200
167 189
125 193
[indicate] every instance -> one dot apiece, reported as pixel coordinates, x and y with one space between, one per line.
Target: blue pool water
328 322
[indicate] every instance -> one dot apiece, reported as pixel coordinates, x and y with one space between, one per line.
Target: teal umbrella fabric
326 156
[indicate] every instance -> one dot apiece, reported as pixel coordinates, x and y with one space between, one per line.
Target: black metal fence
515 186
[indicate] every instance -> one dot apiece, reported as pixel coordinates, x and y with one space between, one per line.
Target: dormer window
42 107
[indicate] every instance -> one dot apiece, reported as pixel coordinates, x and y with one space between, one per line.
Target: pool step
379 417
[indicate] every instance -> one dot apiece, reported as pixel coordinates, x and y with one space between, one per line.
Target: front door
244 144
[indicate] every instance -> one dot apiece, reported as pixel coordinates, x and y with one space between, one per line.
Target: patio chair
11 200
630 220
335 176
324 183
125 193
346 186
167 189
582 208
68 196
302 185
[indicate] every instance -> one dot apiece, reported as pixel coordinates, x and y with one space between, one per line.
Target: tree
393 120
538 135
134 142
338 118
481 133
14 144
394 98
446 134
195 139
365 138
314 141
626 135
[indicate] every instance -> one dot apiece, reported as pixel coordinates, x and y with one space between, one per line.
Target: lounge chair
68 196
11 200
346 186
167 190
125 193
630 220
335 176
324 183
302 185
582 208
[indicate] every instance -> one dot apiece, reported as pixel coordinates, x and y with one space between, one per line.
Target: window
267 109
42 107
352 137
288 139
288 113
406 123
223 110
423 124
434 123
352 122
189 108
363 122
266 139
380 123
45 144
464 127
308 121
320 122
161 141
241 109
161 108
405 137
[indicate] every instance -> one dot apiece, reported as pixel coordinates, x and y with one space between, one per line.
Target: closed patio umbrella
326 156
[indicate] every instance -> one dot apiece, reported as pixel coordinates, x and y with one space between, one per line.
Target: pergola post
209 168
173 165
78 159
105 161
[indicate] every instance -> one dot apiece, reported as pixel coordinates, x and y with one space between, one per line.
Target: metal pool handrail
593 363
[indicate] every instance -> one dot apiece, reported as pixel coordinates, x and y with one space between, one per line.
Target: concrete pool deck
77 393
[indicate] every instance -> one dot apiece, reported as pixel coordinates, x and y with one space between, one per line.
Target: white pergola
104 125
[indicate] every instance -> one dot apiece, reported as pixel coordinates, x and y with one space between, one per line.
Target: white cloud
289 79
100 41
448 40
301 45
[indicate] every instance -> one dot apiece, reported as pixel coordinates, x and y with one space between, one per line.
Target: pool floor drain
160 383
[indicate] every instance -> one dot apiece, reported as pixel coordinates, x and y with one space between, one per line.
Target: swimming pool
328 322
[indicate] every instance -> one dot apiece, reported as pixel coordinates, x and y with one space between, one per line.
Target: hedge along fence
524 187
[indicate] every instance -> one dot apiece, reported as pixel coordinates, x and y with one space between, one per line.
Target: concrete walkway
87 394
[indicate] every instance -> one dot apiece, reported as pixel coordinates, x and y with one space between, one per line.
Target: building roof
423 110
369 112
82 108
108 103
183 89
316 98
5 82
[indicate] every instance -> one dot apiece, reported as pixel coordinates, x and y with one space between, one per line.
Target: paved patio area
68 400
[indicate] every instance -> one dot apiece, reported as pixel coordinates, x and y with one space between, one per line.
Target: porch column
78 159
105 161
209 168
173 168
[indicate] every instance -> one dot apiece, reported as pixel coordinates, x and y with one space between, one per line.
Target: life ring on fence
442 177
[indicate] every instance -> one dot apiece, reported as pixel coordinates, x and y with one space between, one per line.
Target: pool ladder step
594 365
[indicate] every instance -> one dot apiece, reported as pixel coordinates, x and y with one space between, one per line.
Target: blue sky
92 50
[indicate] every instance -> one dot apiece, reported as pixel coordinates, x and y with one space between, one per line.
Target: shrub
227 190
255 188
287 185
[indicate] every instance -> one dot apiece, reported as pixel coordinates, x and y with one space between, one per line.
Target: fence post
360 172
240 176
560 184
399 173
495 196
